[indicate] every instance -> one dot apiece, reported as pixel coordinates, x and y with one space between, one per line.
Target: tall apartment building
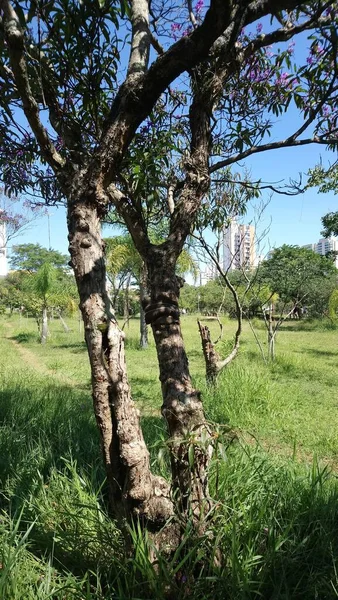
239 249
3 250
324 246
208 274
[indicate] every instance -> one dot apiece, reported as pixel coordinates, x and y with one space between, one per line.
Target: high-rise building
324 246
3 250
208 274
239 250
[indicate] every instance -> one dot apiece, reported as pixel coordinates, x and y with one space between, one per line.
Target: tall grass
273 529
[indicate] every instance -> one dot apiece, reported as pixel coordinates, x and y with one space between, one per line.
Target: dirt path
33 362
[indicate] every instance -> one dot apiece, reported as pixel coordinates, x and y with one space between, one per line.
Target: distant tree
327 181
330 224
15 215
333 306
299 276
43 284
31 257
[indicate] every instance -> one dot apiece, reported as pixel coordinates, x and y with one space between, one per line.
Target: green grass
276 516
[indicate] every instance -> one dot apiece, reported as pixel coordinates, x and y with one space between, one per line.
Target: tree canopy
200 90
300 276
31 257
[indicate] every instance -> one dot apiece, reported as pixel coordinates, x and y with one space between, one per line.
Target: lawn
275 482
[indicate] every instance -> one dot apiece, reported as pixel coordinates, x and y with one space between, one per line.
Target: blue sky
294 220
291 220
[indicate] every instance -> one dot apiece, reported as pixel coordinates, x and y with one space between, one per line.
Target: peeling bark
133 490
213 362
182 405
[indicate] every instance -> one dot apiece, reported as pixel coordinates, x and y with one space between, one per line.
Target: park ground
274 474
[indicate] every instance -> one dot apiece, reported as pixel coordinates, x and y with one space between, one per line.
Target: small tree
42 284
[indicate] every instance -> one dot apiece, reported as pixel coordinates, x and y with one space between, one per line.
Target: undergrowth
273 529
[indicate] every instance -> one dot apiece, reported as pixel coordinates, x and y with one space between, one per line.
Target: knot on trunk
161 312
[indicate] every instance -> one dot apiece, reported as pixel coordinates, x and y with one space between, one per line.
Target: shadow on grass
25 337
319 353
41 426
75 348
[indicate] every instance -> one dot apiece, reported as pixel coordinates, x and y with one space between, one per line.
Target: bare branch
318 139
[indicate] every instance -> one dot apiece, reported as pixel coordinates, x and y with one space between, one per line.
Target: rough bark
133 490
143 293
213 362
211 356
182 406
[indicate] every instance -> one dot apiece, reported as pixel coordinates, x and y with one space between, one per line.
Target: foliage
276 518
326 181
30 257
330 224
300 276
333 305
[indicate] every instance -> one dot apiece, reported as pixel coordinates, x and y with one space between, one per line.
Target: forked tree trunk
182 406
143 293
133 490
44 326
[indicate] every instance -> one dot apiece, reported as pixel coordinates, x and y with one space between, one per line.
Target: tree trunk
211 356
143 293
44 326
63 323
271 337
133 490
182 406
126 303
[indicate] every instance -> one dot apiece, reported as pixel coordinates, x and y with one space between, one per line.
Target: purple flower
175 28
310 60
291 48
199 6
259 27
326 110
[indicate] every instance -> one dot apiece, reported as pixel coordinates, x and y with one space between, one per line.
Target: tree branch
322 139
15 40
141 39
132 218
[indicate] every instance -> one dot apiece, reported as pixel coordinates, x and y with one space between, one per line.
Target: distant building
324 246
239 249
208 274
3 251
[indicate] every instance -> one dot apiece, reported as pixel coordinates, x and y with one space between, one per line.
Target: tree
64 57
43 283
15 215
31 257
327 181
297 276
124 264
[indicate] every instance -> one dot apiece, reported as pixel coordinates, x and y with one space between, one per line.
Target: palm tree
43 284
